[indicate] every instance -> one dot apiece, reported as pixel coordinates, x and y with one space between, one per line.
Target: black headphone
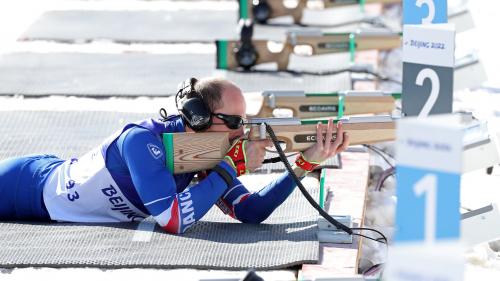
191 106
246 55
261 11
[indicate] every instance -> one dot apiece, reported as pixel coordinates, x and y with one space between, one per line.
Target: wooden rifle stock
190 152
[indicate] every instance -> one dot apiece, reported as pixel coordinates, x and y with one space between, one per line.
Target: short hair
210 90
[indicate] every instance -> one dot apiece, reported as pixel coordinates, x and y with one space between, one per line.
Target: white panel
433 143
429 44
442 261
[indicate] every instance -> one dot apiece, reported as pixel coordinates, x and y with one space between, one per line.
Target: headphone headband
187 86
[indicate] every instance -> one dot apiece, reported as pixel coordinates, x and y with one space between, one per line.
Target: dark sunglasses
233 122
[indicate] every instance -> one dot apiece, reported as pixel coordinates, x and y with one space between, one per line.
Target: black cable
377 75
378 22
299 184
379 240
374 22
380 153
385 175
392 170
322 212
327 72
383 151
380 150
374 230
350 70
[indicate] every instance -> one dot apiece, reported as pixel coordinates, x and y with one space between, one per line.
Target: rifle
261 11
246 53
190 152
316 105
339 3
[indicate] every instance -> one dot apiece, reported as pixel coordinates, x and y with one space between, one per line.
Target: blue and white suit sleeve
175 212
248 207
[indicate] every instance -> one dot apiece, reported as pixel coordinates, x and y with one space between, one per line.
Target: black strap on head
191 107
246 55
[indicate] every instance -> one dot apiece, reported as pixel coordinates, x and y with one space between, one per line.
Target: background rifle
316 105
189 152
339 3
261 11
246 52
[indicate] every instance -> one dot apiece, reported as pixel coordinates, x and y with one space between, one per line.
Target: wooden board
300 105
349 187
191 152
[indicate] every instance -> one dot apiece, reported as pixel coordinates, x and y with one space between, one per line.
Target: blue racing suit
126 179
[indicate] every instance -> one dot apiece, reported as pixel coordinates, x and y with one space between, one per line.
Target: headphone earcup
246 54
195 114
261 11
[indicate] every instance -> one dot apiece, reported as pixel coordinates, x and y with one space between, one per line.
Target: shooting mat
287 238
145 26
141 74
